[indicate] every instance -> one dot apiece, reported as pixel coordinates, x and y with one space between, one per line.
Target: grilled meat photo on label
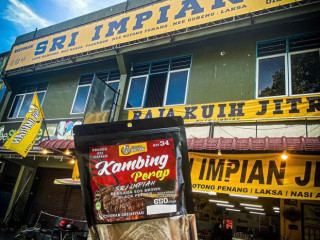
112 204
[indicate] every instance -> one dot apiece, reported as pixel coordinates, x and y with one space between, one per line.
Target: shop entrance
278 195
9 172
236 217
222 216
55 200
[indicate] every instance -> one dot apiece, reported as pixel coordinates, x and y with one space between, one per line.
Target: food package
173 228
134 171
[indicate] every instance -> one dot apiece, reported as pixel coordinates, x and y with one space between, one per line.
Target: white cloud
77 8
23 16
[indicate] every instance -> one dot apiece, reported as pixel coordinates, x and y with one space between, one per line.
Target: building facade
203 61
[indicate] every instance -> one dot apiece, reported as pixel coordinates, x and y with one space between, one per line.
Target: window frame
286 74
24 94
107 81
144 91
166 86
76 94
113 81
20 94
289 70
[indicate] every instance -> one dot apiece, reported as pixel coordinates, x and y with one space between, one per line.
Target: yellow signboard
263 175
257 109
156 19
24 138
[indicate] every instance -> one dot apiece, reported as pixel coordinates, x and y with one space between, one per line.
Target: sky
22 16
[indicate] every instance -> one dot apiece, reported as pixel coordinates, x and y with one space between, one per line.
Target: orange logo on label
132 149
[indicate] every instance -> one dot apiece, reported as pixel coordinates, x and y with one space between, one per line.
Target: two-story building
244 75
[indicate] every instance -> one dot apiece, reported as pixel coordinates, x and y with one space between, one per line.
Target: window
111 77
160 83
23 99
289 66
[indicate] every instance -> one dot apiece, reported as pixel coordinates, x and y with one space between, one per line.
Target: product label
134 181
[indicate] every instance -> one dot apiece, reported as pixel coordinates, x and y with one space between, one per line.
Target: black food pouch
134 170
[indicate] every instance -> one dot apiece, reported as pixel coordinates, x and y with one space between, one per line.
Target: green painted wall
222 70
61 89
223 66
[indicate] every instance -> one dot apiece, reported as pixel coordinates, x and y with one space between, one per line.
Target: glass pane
41 96
25 105
114 85
177 88
136 92
305 73
15 106
81 99
271 77
155 91
2 90
99 111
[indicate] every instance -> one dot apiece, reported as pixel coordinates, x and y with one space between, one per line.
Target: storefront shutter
55 199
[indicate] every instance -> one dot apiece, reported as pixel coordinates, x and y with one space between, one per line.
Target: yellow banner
263 175
257 109
23 139
75 171
159 18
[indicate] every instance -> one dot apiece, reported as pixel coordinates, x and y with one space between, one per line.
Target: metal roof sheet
255 144
237 144
57 144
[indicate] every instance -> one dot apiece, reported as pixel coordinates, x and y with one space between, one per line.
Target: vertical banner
263 175
23 139
75 171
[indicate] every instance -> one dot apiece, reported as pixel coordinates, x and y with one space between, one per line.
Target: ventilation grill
158 67
103 76
114 75
180 63
141 69
31 89
271 48
42 87
304 42
86 79
34 88
162 66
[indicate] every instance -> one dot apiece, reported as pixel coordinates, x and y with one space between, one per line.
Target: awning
68 182
237 144
57 144
255 144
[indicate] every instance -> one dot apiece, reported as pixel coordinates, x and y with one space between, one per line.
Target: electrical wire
226 132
